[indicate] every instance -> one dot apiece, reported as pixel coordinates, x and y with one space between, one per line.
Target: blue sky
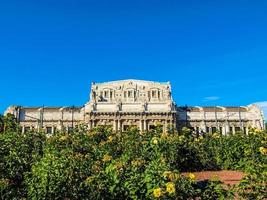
213 52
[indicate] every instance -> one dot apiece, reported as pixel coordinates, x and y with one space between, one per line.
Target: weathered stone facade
126 103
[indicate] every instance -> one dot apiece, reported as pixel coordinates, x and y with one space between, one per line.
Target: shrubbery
101 164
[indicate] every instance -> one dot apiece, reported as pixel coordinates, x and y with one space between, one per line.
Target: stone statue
145 106
119 106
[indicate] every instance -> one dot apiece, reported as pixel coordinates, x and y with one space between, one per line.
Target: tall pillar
165 126
119 125
23 129
233 127
223 130
141 126
115 125
227 127
90 125
246 130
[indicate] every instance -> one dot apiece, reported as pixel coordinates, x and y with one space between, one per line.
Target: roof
133 80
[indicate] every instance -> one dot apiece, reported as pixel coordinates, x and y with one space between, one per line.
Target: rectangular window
220 129
237 129
231 129
153 93
207 129
213 129
48 130
105 94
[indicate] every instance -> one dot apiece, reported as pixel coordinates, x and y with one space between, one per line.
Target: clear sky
213 52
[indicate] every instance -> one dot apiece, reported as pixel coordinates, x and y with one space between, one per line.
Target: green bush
101 164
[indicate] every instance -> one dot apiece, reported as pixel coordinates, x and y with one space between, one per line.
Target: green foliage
101 164
9 123
17 154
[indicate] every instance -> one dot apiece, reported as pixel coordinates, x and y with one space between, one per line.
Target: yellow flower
119 165
157 192
192 176
170 175
137 163
170 187
257 131
106 158
155 140
110 138
216 135
166 174
263 150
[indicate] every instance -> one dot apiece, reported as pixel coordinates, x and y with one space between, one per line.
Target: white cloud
211 98
263 106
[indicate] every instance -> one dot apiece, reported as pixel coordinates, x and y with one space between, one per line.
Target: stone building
143 104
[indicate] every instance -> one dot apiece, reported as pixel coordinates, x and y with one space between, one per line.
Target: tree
8 123
1 123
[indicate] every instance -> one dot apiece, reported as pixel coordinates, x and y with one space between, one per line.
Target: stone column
141 126
119 125
227 128
93 123
233 127
90 124
165 126
115 125
53 129
246 130
23 129
223 130
145 125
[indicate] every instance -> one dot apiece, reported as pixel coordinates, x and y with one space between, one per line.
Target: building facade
143 104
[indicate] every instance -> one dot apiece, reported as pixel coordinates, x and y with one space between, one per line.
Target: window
237 129
213 129
220 129
207 129
130 93
48 130
110 94
231 129
106 94
153 93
